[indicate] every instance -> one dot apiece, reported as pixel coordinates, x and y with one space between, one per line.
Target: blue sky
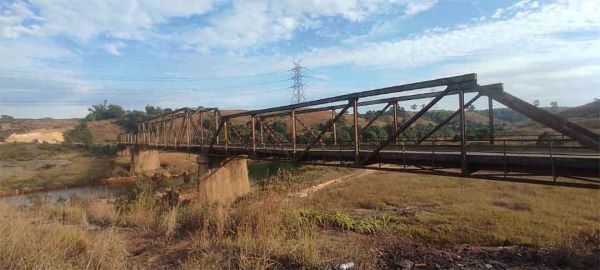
60 56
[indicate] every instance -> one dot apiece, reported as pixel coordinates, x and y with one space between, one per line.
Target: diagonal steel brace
323 131
404 126
443 123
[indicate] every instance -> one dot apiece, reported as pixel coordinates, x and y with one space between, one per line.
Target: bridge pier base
143 161
222 180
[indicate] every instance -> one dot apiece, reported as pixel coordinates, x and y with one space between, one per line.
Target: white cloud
415 7
525 31
251 23
24 68
114 48
247 23
13 17
85 20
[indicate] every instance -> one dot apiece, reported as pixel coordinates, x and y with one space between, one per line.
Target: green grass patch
339 220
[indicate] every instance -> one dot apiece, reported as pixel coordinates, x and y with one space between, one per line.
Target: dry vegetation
374 221
452 210
26 167
32 243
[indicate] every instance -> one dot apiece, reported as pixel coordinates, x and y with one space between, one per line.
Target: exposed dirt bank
52 136
112 181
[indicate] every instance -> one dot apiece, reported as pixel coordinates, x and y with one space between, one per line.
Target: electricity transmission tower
297 85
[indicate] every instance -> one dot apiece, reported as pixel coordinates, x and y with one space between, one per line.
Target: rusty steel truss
207 131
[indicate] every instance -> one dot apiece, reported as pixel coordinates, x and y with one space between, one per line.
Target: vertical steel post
262 138
188 127
463 134
403 156
356 132
201 128
334 134
491 119
552 162
131 160
395 124
293 130
176 132
504 158
216 118
254 133
433 152
226 137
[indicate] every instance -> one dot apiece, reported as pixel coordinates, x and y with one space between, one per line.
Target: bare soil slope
104 130
42 126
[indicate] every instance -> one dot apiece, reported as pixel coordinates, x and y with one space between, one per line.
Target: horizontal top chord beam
462 79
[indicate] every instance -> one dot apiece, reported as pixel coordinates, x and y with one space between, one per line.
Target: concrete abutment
143 162
222 180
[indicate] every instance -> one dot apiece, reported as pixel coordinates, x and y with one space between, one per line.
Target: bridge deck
571 161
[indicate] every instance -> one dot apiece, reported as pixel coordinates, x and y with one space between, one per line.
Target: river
65 193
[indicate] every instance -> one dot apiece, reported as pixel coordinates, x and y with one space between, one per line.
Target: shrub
80 134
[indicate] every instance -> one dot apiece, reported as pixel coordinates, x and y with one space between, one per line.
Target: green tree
6 117
80 134
104 111
152 111
131 118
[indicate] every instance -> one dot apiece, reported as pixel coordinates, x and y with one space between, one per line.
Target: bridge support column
464 165
222 180
143 161
395 119
334 127
356 132
293 131
254 134
491 119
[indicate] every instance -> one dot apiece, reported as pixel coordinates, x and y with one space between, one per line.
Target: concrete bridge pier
222 180
142 161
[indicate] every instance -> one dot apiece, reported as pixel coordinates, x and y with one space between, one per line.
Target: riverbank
109 182
34 167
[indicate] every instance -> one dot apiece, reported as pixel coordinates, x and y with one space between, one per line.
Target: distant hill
104 130
590 110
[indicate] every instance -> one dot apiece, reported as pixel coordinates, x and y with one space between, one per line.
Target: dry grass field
376 220
452 210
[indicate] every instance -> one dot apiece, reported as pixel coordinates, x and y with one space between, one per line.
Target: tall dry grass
261 231
32 243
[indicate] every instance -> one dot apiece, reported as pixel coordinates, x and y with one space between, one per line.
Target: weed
341 220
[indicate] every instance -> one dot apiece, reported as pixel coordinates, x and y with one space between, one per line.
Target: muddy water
66 193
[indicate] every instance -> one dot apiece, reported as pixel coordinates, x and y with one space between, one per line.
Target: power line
140 91
129 78
297 86
247 93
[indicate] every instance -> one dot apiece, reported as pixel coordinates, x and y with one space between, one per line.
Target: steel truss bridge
573 153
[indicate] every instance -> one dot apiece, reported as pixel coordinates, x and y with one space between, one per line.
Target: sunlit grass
450 210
